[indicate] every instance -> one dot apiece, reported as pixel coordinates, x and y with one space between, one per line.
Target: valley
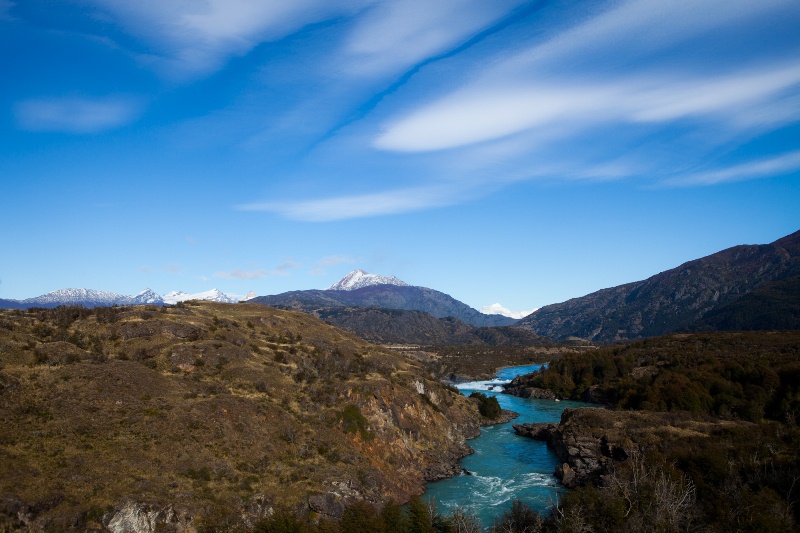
210 415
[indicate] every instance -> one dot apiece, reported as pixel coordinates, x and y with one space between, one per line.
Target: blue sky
506 151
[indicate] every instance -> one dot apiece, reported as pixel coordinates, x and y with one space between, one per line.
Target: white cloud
394 35
680 98
481 114
630 63
763 168
634 27
76 115
197 36
363 205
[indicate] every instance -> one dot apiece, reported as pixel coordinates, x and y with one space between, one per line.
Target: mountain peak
76 297
360 278
498 309
147 296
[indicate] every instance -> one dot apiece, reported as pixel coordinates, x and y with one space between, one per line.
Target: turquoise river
504 466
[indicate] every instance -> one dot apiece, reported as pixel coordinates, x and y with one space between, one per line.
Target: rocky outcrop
134 517
520 386
585 454
539 431
505 416
590 441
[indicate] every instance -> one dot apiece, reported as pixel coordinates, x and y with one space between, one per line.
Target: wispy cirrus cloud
761 168
484 114
395 35
639 73
629 89
362 205
197 37
76 114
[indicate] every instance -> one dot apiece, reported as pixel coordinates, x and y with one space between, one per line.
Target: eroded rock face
142 518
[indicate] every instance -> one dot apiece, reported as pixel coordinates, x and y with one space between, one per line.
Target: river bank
504 466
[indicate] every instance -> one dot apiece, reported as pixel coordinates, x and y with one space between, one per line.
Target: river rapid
504 466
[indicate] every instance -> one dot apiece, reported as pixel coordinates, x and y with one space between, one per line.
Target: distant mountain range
744 287
93 298
360 289
398 326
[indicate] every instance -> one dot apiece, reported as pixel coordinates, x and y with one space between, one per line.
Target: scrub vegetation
709 425
210 410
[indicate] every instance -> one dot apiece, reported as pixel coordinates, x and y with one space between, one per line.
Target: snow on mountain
93 298
214 295
174 297
147 296
77 297
250 296
497 309
359 278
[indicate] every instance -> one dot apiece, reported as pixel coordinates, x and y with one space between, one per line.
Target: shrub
352 421
488 406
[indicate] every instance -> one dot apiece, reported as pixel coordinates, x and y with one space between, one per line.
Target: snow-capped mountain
147 296
497 309
359 278
93 298
250 296
214 295
87 297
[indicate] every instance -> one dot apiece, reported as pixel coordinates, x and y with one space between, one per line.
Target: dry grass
208 403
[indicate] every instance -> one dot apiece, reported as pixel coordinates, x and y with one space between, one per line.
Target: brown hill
417 327
208 410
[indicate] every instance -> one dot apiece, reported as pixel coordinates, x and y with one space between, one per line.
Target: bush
353 420
488 406
518 519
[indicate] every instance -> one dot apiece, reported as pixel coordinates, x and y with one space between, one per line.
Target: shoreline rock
505 416
519 387
540 431
584 444
591 441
